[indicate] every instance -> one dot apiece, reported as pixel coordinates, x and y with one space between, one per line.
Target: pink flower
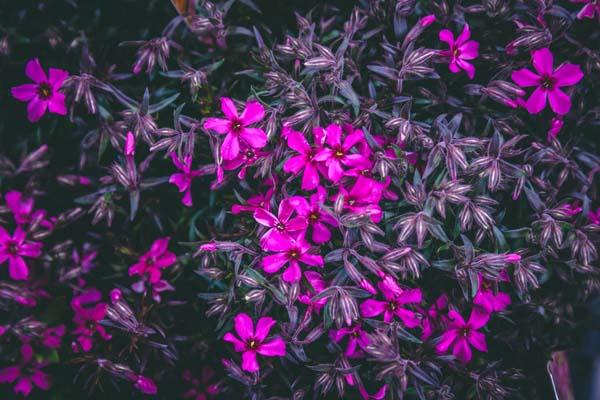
460 335
364 197
89 311
14 248
490 300
290 251
548 82
251 341
246 158
53 336
201 388
304 162
282 225
27 374
22 209
317 219
589 10
393 305
555 126
433 316
317 285
594 217
43 93
254 203
461 50
236 127
183 180
339 152
357 339
154 261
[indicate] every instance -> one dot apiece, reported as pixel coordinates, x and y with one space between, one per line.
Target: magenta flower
358 339
364 197
461 335
282 225
154 261
201 388
254 203
317 285
594 217
236 127
144 384
548 82
246 158
14 248
433 316
22 209
461 51
317 219
43 94
53 336
251 341
292 251
27 374
393 305
589 10
304 162
339 153
89 311
490 300
183 179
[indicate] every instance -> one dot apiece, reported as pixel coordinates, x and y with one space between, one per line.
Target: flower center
294 254
456 52
465 332
314 216
249 153
338 153
548 82
236 126
12 248
280 227
252 344
44 90
392 306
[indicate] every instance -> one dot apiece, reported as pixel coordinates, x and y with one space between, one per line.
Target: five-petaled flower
339 153
89 311
14 248
461 335
292 251
548 81
461 51
236 127
27 374
44 93
394 304
183 179
250 341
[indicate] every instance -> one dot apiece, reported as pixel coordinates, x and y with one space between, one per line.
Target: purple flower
14 248
461 335
304 161
393 305
53 336
364 197
548 82
282 225
293 251
183 179
589 10
154 261
23 211
43 94
27 374
236 127
89 311
339 153
317 219
461 51
250 341
490 300
357 339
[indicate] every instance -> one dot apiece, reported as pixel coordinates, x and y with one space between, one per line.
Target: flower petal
57 105
273 348
254 112
543 61
263 327
34 71
36 109
274 262
238 345
228 108
249 362
560 102
231 147
446 341
525 78
293 273
462 351
567 75
537 100
372 308
17 268
243 325
446 36
218 125
24 92
477 340
255 137
57 77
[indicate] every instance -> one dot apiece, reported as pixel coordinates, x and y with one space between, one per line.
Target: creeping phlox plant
386 199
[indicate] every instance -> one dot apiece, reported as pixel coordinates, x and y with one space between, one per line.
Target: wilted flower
44 93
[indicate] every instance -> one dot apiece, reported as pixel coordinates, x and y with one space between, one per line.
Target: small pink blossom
144 384
317 285
304 161
27 374
489 299
13 249
44 93
364 197
154 261
339 152
461 51
318 219
251 341
292 251
358 339
589 10
394 304
254 203
461 335
89 311
236 127
433 317
281 226
183 179
548 82
52 337
246 158
555 126
23 210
